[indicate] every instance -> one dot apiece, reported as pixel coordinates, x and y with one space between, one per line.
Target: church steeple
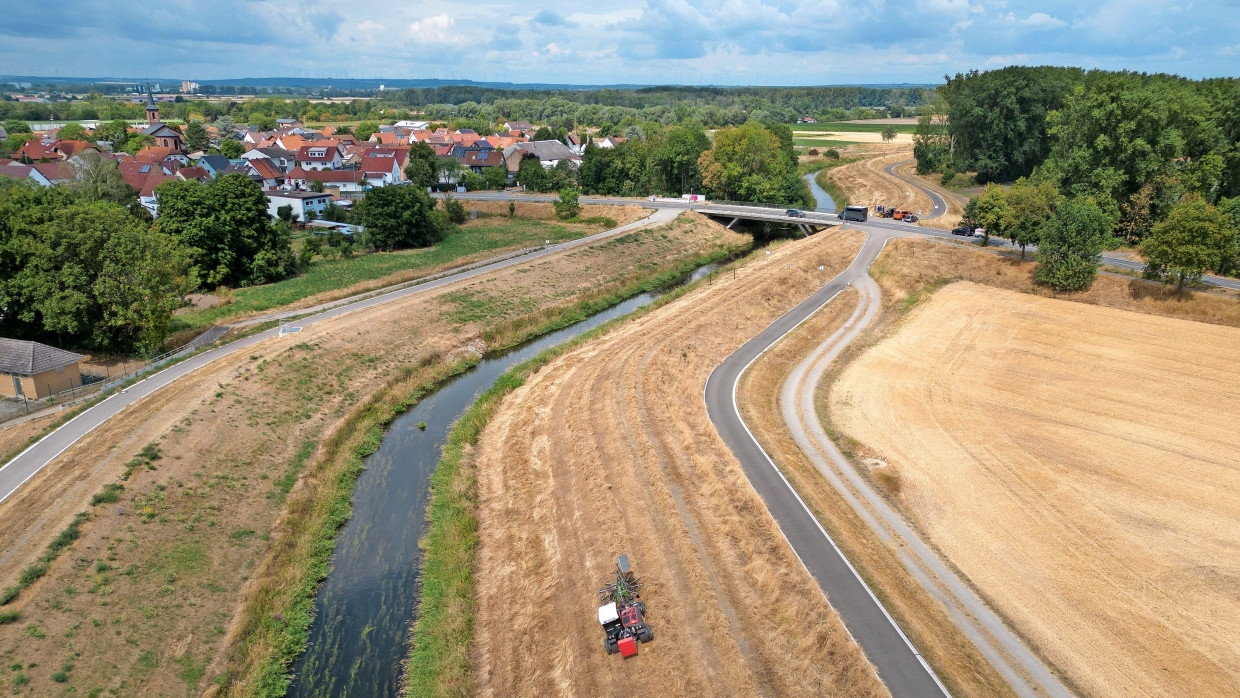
152 111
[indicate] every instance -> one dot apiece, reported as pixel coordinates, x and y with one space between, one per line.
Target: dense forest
1151 161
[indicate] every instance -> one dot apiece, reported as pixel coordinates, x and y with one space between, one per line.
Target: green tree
99 179
495 177
991 211
566 206
196 137
230 148
1194 237
889 134
675 157
136 142
1136 216
115 132
1071 244
316 186
1032 205
73 132
16 126
751 163
997 120
365 130
420 170
532 174
93 274
225 225
397 217
310 247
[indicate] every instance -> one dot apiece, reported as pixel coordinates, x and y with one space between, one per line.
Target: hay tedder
623 614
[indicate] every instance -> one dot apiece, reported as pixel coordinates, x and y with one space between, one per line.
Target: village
306 169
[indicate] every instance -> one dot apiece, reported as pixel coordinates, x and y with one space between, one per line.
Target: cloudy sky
726 42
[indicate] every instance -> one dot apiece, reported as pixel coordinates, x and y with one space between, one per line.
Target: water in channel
825 203
364 610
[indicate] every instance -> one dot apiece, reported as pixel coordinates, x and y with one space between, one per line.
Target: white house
283 159
319 157
303 202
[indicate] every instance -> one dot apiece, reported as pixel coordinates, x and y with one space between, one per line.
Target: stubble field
609 450
1078 464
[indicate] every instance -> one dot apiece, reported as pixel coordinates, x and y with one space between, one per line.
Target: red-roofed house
67 149
334 181
195 173
381 167
270 175
156 154
36 149
144 177
319 157
55 172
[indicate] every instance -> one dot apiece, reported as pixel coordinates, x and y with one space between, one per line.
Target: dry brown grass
608 449
910 264
15 437
866 184
156 622
1075 461
921 616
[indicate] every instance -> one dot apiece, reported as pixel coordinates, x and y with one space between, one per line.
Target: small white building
303 202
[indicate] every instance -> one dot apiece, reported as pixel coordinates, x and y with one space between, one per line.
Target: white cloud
1041 20
438 30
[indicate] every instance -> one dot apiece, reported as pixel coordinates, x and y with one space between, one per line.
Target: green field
330 275
840 127
821 143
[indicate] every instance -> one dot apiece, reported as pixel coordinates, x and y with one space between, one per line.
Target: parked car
963 230
795 213
910 218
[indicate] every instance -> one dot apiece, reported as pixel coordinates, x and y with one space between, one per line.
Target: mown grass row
438 663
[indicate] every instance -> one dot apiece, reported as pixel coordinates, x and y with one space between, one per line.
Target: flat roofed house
33 370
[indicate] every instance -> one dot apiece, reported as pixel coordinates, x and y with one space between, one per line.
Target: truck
855 213
623 613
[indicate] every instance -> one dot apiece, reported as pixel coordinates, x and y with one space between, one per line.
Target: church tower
152 111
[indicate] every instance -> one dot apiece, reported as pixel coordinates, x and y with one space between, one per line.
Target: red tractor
623 614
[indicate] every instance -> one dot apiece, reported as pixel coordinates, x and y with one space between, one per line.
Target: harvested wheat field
608 450
1079 464
189 576
866 184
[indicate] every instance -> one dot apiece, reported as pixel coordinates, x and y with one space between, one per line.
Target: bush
948 175
833 154
813 151
454 209
109 494
7 617
566 206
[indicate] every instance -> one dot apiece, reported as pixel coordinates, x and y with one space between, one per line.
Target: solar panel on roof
145 169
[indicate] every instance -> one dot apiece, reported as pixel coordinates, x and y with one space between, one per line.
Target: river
825 203
367 605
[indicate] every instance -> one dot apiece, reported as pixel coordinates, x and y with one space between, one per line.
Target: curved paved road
940 206
899 664
26 464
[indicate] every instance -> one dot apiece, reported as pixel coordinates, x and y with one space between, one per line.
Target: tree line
712 106
1150 161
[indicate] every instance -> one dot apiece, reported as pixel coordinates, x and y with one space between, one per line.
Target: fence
109 381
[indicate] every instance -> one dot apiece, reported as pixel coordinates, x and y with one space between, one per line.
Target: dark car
963 230
910 218
794 213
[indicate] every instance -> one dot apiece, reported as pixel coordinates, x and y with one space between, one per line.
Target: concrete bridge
809 222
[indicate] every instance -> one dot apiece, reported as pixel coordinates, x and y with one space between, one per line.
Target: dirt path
609 450
1078 466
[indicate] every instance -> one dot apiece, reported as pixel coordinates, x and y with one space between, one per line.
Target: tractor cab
623 614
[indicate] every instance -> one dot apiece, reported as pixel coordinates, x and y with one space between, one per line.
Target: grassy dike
439 663
273 627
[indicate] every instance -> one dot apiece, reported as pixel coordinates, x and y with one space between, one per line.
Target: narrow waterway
365 608
825 203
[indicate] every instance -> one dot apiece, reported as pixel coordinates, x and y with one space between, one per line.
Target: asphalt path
900 666
26 464
940 206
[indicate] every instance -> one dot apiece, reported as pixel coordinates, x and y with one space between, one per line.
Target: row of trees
663 105
1071 232
1155 154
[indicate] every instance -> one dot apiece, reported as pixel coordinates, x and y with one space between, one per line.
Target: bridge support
734 222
